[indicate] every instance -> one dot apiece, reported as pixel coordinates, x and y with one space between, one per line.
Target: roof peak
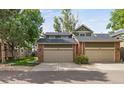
82 25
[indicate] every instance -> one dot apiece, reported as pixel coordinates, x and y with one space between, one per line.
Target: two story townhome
65 46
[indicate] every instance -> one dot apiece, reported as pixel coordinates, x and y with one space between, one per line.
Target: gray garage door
100 55
58 54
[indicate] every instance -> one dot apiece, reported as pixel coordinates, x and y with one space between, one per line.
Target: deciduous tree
57 25
116 20
20 28
67 21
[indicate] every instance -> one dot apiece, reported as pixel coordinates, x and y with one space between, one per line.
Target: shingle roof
93 38
98 38
58 33
118 33
56 41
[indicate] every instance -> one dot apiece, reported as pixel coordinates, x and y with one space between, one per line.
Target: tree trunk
2 52
12 52
6 52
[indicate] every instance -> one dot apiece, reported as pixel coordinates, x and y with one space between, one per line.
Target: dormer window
83 31
82 34
88 34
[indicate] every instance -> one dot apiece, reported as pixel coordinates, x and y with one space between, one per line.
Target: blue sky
95 19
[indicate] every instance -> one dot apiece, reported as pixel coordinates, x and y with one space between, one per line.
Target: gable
83 28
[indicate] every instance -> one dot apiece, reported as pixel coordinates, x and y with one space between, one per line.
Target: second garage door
58 54
100 55
100 52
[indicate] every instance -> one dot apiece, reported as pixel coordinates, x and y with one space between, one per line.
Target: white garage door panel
103 55
58 55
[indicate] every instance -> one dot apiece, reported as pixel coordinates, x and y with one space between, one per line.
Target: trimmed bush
81 59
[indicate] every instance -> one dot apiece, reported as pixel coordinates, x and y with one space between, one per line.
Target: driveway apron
62 67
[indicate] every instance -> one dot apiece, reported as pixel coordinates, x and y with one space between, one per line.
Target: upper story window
82 34
51 37
57 36
65 37
47 36
88 34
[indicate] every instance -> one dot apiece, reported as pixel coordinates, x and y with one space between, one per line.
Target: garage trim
100 54
87 46
42 48
60 54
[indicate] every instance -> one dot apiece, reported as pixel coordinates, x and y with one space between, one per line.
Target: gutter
117 33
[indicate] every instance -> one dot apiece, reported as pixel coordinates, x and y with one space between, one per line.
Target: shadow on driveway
51 76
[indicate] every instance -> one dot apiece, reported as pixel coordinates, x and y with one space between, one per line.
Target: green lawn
27 61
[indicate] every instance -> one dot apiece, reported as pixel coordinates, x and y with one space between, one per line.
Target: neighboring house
65 46
120 35
5 52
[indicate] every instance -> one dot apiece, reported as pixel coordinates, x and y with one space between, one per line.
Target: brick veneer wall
74 51
40 52
78 49
117 51
81 48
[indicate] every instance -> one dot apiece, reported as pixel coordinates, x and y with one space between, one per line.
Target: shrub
81 59
27 61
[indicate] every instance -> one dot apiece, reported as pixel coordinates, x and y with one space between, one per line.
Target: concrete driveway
76 67
63 67
109 66
66 73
